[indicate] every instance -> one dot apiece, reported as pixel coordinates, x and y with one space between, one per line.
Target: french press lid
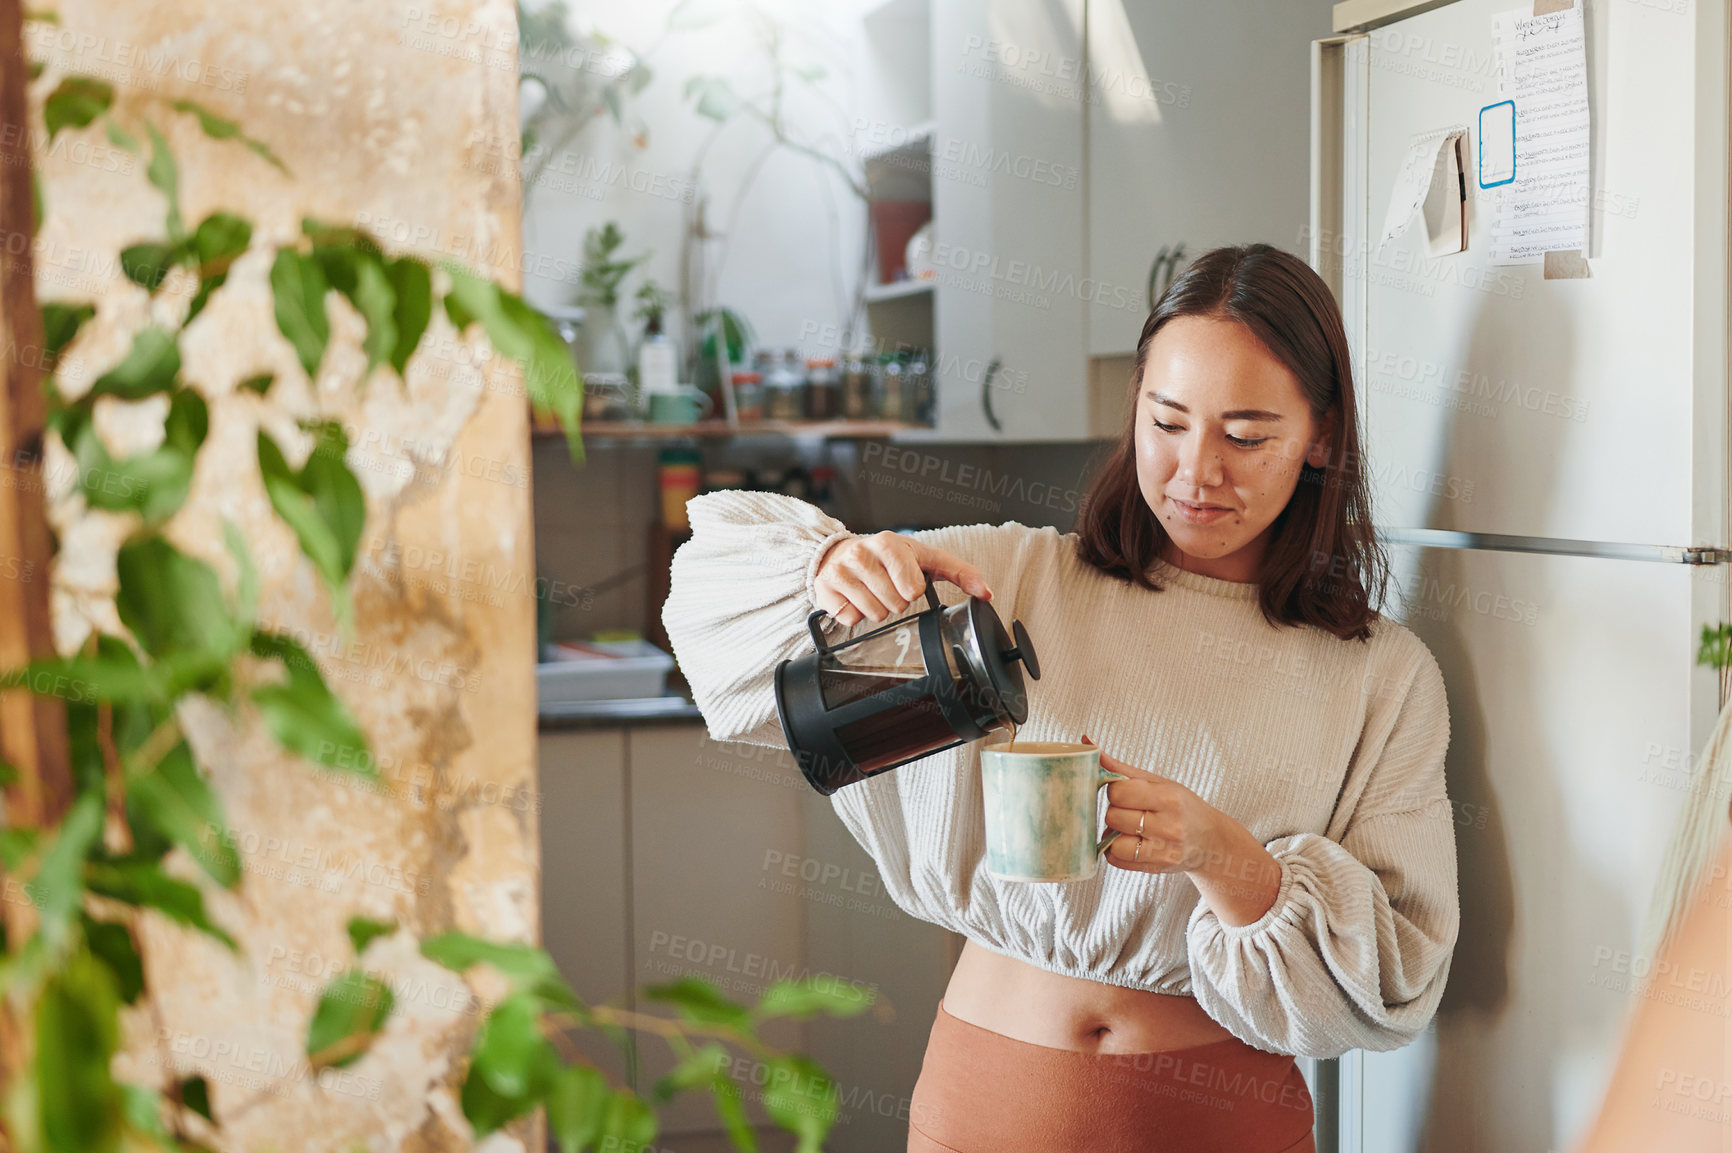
906 690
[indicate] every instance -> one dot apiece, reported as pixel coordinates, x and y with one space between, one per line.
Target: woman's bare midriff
1028 1003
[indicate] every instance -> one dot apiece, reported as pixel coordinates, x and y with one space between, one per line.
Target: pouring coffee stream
917 686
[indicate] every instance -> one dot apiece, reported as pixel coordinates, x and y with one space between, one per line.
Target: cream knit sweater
1329 751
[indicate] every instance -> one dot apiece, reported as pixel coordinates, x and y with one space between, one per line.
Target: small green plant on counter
93 872
602 273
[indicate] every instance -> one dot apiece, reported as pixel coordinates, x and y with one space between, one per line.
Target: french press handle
818 633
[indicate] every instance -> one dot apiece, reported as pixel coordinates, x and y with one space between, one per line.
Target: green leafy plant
602 272
652 305
94 872
1716 647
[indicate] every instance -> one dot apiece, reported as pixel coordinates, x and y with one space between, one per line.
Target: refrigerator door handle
1557 546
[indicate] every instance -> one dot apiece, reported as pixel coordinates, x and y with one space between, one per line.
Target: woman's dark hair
1324 565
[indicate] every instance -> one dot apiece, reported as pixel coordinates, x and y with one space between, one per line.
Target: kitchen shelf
899 289
641 430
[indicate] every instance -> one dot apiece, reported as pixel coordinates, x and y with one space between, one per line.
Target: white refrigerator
1549 460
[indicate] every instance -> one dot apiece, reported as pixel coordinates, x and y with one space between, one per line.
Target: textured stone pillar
383 113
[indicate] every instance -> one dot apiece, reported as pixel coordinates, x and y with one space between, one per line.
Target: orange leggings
982 1092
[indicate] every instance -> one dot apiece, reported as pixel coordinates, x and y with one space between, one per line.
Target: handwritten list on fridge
1542 66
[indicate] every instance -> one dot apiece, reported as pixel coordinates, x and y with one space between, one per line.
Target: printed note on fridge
1542 69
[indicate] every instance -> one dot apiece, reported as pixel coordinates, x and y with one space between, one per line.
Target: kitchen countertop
559 715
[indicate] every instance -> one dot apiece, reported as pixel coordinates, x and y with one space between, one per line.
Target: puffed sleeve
739 593
1355 951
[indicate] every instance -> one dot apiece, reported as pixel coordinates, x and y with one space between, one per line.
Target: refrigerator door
1497 401
1570 686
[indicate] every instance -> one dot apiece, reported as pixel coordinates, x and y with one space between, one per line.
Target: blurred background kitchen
888 256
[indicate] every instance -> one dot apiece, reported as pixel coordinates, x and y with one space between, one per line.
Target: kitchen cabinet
666 854
1198 136
1078 151
1007 198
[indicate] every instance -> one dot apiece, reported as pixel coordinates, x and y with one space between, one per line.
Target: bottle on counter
680 481
923 401
856 389
785 388
887 388
749 397
823 389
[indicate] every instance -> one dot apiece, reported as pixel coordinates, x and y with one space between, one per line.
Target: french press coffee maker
917 686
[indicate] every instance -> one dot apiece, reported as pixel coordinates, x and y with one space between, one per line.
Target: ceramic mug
1040 810
680 406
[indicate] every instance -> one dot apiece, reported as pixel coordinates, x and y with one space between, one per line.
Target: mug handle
1107 777
708 401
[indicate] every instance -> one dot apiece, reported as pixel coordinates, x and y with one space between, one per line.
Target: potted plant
606 349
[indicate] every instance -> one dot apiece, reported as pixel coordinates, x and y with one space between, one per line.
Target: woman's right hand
877 577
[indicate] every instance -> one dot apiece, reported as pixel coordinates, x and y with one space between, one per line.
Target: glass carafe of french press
916 686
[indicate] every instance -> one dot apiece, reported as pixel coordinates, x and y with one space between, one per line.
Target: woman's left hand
1166 828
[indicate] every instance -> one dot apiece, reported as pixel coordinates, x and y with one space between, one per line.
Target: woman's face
1222 431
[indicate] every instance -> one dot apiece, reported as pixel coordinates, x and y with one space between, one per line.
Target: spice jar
823 389
887 399
785 388
856 390
921 399
748 397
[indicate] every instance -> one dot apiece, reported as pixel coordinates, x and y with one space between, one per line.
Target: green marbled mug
1040 810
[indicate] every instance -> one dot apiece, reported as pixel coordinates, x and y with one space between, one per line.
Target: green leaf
486 1110
813 995
78 680
628 1123
511 1054
376 301
173 603
412 288
1715 650
154 482
518 331
576 1106
195 1095
149 367
177 800
362 931
148 264
218 241
460 951
304 715
60 324
77 1031
259 383
726 1095
164 176
75 103
716 98
144 884
322 502
57 887
111 944
352 1010
696 1069
120 137
698 1000
298 287
800 1097
217 128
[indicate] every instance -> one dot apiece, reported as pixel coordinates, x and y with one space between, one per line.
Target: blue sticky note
1497 158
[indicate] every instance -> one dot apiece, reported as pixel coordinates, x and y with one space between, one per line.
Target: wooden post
32 728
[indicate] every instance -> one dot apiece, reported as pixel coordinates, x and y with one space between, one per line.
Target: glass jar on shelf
922 399
785 388
856 389
887 399
823 389
749 397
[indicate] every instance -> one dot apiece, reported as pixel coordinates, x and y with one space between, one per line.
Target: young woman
1286 881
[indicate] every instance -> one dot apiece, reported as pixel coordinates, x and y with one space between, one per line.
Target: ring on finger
1138 854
